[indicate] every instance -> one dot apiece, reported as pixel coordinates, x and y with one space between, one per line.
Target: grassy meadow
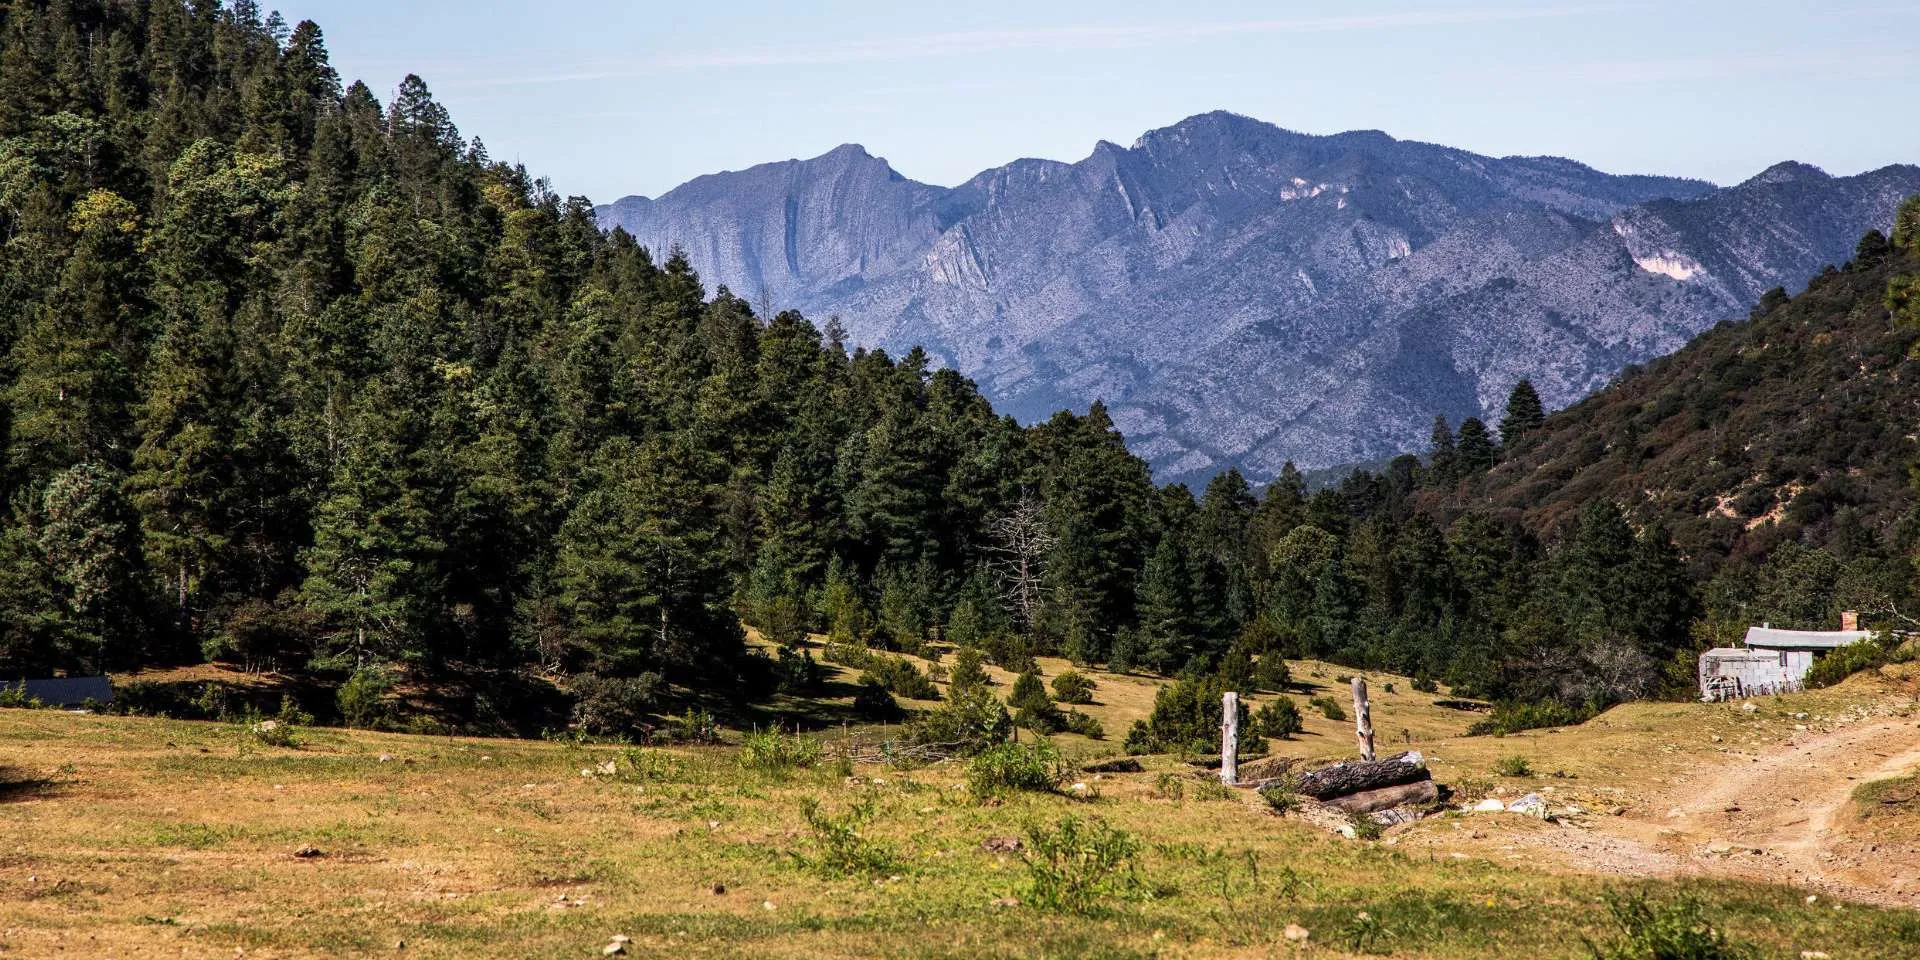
133 837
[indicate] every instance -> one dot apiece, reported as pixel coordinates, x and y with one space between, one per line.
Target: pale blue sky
610 98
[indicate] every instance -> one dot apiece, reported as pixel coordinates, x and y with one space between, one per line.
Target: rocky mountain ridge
1242 294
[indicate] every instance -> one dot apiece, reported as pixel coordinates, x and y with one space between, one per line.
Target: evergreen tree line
299 380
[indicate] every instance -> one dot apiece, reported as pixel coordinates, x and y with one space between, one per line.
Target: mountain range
1239 294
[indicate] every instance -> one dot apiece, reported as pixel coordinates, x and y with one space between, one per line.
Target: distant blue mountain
1242 294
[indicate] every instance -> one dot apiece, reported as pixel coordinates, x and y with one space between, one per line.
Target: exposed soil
1780 815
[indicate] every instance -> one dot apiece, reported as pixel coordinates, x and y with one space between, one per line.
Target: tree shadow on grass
16 786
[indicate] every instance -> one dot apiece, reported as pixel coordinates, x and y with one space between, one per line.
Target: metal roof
1803 639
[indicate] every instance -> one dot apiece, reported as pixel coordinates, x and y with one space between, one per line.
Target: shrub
1085 725
363 698
901 678
1079 865
1365 827
967 670
15 697
280 730
1281 796
778 753
1279 719
1843 662
1073 687
1515 766
1170 786
797 673
1678 930
841 850
693 726
1186 716
612 706
1014 767
1271 673
1425 684
1512 717
971 720
1329 708
1009 651
1032 708
873 702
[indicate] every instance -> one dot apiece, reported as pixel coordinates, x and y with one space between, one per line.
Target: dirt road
1778 816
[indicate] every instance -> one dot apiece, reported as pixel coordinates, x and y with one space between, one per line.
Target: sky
609 99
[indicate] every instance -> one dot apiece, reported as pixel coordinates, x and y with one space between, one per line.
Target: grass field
144 837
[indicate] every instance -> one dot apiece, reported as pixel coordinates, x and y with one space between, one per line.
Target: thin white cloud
1060 38
1822 64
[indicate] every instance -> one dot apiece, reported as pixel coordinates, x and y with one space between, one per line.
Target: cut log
1386 798
1345 778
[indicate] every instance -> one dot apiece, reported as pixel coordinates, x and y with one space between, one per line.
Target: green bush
1186 716
797 672
1281 796
1678 930
15 697
695 725
967 670
971 720
901 678
280 730
874 702
1073 687
778 753
1515 766
1329 708
613 706
1009 651
1031 706
1271 673
1425 684
840 848
1513 717
1843 662
1084 725
1080 866
363 698
1279 719
1012 768
1365 827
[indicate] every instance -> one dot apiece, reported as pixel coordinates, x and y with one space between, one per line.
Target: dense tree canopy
295 379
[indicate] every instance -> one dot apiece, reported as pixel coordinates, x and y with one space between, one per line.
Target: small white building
1772 660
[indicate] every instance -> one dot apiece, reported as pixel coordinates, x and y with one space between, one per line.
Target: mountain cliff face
1241 294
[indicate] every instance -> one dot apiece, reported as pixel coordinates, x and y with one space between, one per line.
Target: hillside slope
1242 294
1755 433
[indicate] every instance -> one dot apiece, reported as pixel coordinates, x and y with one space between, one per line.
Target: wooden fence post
1230 739
1362 719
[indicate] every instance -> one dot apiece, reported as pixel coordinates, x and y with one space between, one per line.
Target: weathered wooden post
1362 719
1230 739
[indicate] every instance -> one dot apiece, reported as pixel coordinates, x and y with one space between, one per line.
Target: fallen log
1386 798
1342 779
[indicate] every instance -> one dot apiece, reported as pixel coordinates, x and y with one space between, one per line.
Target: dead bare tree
1021 542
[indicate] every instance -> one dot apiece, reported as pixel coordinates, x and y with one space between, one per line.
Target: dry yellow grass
143 837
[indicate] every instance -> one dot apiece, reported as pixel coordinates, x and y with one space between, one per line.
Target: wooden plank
1362 719
1386 798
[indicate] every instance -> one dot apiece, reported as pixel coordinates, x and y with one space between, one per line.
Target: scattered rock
1748 707
1813 955
308 853
1720 848
1003 903
766 905
1296 933
1616 811
1489 805
1000 844
718 888
1532 805
607 769
386 758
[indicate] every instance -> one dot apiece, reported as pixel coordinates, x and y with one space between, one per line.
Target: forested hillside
298 380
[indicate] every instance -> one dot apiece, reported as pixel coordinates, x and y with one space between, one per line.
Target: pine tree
1443 462
1476 450
1524 413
